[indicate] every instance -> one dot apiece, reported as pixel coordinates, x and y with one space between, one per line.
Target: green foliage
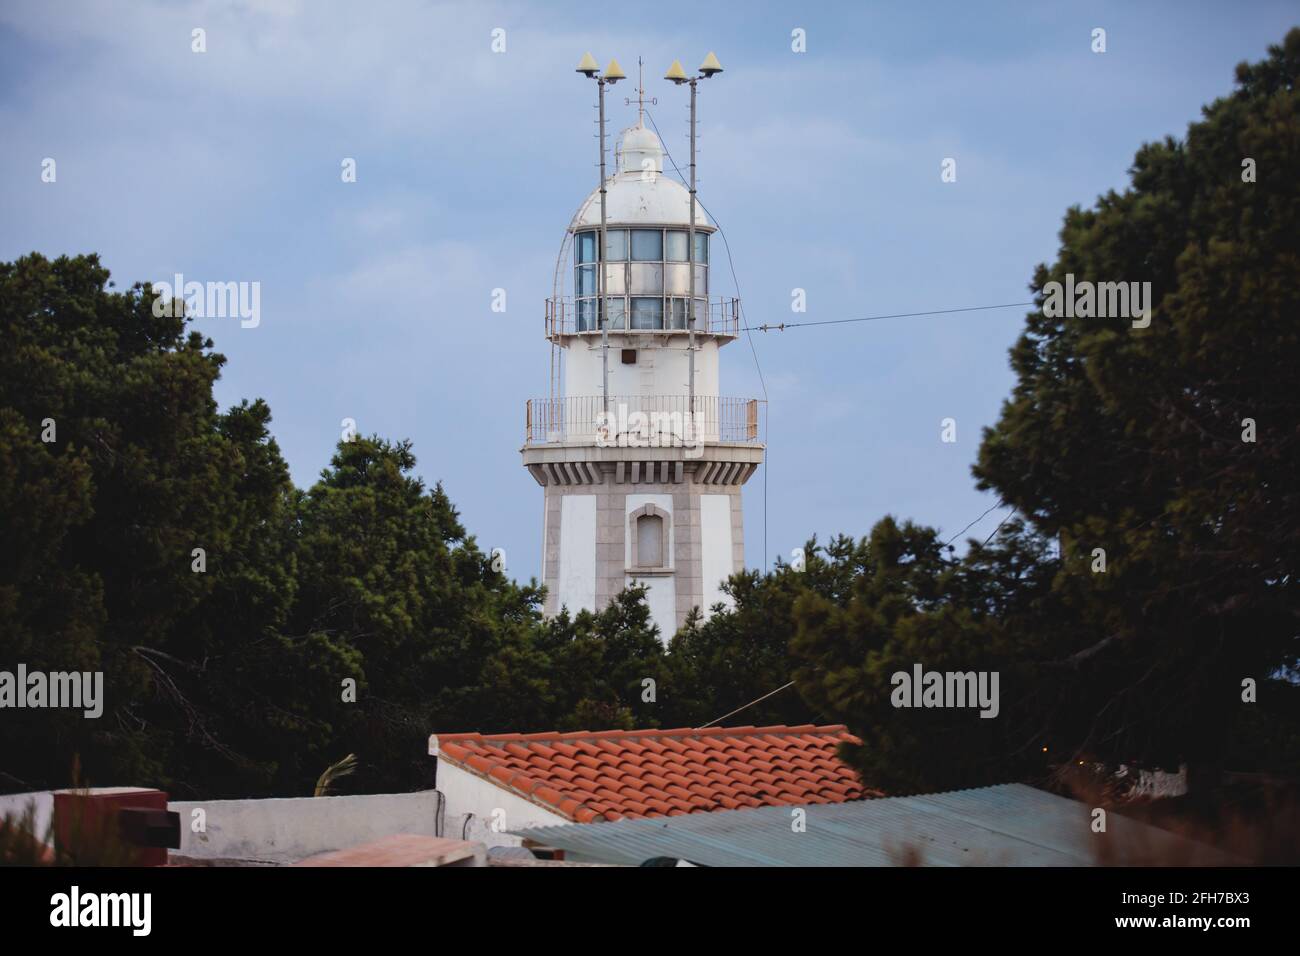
914 602
599 662
229 681
82 839
1129 440
742 654
100 522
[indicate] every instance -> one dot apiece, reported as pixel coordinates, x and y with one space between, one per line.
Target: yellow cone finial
710 65
588 65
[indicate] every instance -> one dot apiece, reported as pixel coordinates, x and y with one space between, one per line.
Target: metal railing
642 421
567 315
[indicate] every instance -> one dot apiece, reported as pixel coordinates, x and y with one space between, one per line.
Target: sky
822 168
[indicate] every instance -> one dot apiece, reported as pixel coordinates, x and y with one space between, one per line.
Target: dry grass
344 767
1254 823
86 840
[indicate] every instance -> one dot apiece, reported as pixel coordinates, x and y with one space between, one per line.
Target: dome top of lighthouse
639 192
639 149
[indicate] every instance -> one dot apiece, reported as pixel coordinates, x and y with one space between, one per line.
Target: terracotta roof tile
656 781
456 751
481 764
611 774
549 794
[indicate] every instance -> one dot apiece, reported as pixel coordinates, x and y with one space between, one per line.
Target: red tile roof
614 774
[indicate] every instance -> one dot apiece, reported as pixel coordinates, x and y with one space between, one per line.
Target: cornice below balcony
713 463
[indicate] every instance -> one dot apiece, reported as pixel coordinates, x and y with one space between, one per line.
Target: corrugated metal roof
1006 825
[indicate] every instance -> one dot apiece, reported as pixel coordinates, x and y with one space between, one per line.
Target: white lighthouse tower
640 456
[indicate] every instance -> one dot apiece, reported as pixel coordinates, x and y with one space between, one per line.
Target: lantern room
648 258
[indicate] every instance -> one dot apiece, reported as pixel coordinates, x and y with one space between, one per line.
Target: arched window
648 533
649 541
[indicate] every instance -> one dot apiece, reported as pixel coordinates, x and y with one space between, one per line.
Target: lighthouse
640 456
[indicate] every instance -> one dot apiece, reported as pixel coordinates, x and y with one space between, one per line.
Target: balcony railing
567 315
643 421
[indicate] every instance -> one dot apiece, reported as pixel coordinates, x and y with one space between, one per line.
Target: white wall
577 571
715 552
14 805
485 806
661 598
546 511
583 371
661 594
291 829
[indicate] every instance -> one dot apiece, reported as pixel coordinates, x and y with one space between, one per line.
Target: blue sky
822 168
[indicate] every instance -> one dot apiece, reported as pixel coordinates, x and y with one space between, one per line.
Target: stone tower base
594 498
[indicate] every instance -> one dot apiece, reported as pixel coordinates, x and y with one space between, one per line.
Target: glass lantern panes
701 278
616 240
675 245
646 278
677 313
617 312
702 247
586 315
648 266
647 313
647 245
